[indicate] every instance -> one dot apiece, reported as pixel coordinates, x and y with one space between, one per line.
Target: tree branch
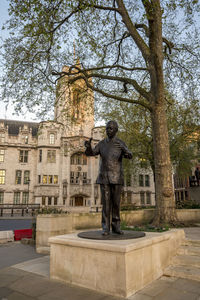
85 74
133 31
115 97
117 66
168 45
143 26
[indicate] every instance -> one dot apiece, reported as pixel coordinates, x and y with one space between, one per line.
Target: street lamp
28 182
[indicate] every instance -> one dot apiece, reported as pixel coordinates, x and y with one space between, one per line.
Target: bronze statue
110 178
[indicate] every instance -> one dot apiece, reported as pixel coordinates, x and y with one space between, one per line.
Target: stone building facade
45 162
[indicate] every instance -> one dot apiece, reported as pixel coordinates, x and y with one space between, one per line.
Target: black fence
22 209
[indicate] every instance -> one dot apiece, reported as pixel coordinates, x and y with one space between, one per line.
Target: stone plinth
118 268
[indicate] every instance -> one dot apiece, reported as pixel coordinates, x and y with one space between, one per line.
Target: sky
8 113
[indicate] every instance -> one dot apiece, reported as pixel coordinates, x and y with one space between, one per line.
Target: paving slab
175 294
33 285
192 233
187 272
187 285
5 292
6 278
155 288
18 296
38 266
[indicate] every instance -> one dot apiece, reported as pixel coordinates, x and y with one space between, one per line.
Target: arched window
78 159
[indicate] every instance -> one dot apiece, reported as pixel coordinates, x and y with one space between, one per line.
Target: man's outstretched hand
88 143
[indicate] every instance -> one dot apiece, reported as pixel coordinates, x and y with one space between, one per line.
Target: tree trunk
165 201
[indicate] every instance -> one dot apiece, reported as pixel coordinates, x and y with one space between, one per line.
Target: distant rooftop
14 125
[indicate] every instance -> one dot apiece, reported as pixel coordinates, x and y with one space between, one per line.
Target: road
15 252
13 224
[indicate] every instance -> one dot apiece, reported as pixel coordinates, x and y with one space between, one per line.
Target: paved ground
30 280
15 252
12 224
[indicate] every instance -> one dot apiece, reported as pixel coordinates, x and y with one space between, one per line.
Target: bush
188 205
50 210
128 207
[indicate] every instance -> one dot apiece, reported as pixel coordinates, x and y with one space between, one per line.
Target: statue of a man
110 178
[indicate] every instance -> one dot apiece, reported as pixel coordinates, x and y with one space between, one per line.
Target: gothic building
45 162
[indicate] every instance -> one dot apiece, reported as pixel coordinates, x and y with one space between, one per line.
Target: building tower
74 105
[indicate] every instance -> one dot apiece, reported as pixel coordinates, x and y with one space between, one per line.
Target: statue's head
111 128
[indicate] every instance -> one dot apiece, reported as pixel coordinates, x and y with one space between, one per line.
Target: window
25 197
72 177
39 178
55 179
1 197
141 180
18 178
2 137
51 156
55 200
44 179
147 181
43 200
79 159
2 176
142 202
52 138
26 177
23 156
26 139
49 200
50 180
40 156
148 197
77 177
16 198
2 152
84 177
64 201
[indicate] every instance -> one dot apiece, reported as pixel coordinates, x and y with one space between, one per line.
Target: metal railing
22 208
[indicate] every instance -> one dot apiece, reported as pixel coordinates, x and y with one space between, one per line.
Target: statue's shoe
118 231
105 232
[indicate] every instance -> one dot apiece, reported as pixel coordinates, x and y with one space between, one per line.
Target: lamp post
28 182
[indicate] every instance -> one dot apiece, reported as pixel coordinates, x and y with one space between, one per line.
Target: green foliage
145 228
135 128
50 210
130 207
41 39
189 205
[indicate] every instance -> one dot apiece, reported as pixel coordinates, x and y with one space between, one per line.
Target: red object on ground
22 233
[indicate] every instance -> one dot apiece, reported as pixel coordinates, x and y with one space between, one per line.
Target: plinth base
116 267
97 235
